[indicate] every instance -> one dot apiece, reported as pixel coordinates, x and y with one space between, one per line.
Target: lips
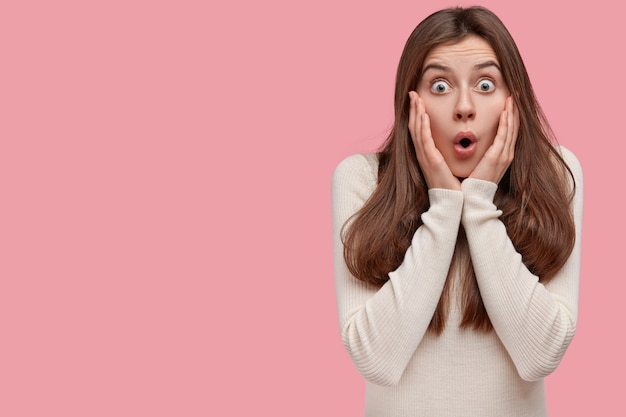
464 144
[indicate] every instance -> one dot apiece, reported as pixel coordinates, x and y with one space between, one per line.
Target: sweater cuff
478 205
474 187
450 199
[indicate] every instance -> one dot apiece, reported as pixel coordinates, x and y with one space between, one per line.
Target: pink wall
164 179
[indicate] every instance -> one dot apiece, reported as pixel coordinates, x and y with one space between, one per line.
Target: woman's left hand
500 154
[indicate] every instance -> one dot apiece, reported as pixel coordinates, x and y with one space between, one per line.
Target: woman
457 245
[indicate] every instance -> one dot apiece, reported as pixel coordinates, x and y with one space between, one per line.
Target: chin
463 168
462 173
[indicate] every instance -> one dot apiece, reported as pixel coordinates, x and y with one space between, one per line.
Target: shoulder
355 178
359 168
570 159
573 163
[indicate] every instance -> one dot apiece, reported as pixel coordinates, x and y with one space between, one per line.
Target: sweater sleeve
535 322
382 327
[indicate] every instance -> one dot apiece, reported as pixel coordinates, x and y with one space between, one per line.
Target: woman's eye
486 85
440 87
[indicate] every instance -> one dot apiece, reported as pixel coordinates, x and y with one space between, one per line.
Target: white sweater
411 372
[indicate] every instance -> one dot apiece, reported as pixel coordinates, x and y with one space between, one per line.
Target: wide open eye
440 87
486 85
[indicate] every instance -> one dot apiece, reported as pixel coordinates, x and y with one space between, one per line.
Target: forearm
381 328
535 322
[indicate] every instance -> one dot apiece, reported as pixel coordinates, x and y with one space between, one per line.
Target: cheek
437 116
492 118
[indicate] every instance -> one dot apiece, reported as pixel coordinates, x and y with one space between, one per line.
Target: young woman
457 245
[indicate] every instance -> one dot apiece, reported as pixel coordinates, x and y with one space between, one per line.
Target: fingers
419 126
427 140
500 154
513 125
434 168
416 112
416 127
412 114
501 134
508 136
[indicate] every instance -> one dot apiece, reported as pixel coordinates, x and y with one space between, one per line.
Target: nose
464 109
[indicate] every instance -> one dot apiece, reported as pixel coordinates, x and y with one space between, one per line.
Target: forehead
472 49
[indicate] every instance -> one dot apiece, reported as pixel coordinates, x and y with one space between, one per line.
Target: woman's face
464 94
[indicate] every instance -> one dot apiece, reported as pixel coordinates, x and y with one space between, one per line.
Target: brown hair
533 195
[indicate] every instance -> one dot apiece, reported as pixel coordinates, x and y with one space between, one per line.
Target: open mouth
465 142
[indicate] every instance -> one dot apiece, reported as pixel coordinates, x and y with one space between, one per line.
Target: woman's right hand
434 167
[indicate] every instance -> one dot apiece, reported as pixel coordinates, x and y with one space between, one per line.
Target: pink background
165 237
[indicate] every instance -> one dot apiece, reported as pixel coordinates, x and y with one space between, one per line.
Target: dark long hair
533 195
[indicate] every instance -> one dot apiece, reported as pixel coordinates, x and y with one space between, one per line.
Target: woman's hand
434 167
500 154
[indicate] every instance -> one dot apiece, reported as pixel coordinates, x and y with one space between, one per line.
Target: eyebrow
445 68
486 65
439 67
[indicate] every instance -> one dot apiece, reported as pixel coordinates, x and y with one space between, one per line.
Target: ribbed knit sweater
410 372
